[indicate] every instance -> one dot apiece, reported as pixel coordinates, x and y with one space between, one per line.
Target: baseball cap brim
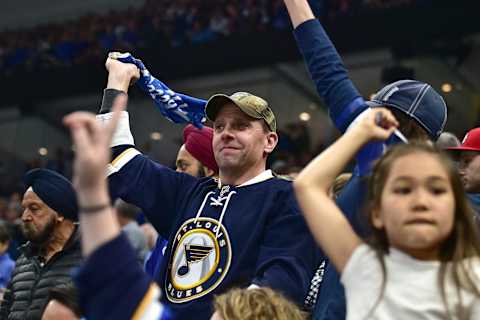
373 104
217 101
457 149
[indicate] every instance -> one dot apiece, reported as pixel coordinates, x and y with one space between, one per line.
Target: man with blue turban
49 219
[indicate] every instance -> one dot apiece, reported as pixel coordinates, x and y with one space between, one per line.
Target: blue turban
55 190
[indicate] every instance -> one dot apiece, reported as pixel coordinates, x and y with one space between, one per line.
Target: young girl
422 259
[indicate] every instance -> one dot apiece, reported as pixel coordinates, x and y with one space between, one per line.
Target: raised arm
92 140
111 274
132 176
328 225
299 12
326 68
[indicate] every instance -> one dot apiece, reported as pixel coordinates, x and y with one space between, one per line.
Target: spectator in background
48 222
468 157
126 216
255 304
6 263
14 211
219 22
195 156
62 304
447 140
13 221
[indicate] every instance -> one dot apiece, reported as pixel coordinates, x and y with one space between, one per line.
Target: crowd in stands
157 23
225 238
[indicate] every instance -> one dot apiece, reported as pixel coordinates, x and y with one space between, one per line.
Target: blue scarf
177 108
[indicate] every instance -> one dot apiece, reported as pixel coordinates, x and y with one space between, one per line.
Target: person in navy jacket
421 111
243 229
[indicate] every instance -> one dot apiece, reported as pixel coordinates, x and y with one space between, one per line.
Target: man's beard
200 172
38 236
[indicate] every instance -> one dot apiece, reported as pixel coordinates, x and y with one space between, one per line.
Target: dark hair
66 294
126 210
462 243
4 233
409 126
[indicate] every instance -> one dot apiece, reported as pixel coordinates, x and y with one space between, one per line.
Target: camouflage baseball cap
250 104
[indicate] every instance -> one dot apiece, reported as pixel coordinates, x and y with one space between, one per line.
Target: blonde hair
340 181
256 304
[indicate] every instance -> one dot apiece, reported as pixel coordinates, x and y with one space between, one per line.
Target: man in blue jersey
421 112
242 229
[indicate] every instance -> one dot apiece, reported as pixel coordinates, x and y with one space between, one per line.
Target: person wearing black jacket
53 247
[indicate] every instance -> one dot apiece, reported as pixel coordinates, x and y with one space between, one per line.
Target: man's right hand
120 75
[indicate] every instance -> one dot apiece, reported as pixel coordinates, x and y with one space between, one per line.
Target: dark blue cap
55 190
417 100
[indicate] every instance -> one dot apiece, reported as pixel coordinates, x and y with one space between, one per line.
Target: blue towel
177 108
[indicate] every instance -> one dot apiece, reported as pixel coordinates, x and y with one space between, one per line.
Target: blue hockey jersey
219 236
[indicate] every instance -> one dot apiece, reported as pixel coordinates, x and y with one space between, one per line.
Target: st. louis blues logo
201 255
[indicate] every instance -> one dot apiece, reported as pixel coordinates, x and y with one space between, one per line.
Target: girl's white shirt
411 291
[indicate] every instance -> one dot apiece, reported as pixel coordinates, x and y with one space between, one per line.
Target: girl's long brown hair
461 246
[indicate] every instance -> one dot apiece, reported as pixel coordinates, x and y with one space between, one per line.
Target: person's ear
377 219
60 218
271 142
208 172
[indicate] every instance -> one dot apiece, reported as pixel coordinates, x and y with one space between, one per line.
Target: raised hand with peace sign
91 139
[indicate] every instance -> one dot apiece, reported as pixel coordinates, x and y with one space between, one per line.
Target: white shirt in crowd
411 291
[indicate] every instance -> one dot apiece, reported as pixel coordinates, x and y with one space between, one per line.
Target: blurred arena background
52 55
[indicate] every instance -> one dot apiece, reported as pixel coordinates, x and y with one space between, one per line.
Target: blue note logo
201 258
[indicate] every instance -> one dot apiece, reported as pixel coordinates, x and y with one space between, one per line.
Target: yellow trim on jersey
120 156
121 160
146 301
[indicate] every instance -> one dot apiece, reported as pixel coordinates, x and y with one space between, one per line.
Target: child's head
418 205
255 304
4 238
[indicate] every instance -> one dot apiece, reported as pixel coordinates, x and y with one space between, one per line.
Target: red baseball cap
471 142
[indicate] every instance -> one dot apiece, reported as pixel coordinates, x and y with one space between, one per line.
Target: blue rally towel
177 108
